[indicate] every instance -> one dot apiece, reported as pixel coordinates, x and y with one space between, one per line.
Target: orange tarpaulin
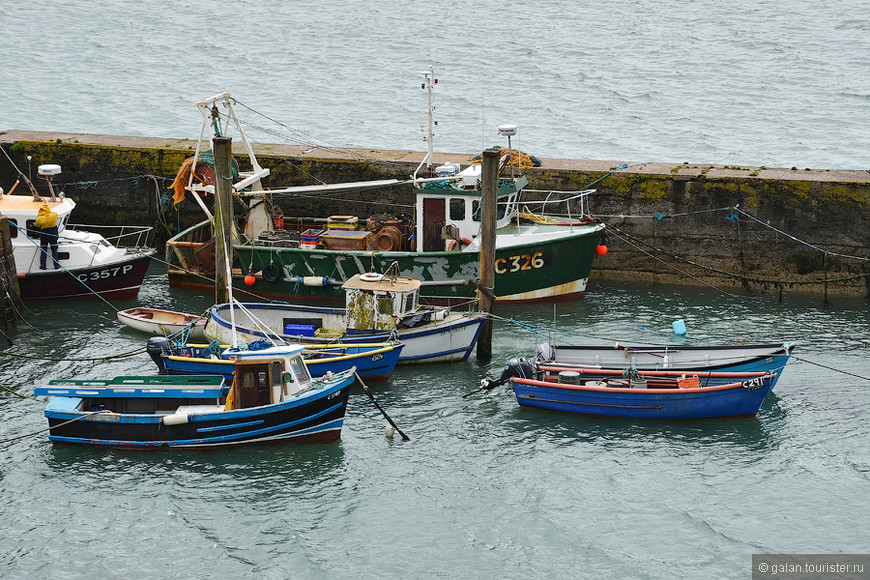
181 181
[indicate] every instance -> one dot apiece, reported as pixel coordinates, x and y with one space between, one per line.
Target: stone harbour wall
755 229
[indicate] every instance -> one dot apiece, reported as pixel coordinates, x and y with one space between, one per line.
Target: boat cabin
448 212
267 376
379 302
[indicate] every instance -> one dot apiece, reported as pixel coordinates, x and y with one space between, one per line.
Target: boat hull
741 358
741 399
530 265
374 363
315 417
162 322
118 280
451 339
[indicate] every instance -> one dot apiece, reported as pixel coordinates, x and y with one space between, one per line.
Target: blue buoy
679 327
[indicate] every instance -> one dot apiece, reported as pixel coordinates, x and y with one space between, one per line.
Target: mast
429 80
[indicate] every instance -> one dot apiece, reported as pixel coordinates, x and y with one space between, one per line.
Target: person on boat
46 222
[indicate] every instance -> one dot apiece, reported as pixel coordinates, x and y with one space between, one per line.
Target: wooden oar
384 413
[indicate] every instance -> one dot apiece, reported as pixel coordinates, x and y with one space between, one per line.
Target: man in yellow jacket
46 221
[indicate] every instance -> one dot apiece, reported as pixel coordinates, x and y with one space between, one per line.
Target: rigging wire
629 240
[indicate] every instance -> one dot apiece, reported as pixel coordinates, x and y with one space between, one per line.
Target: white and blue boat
379 308
770 357
272 399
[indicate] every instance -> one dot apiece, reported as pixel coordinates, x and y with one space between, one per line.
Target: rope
736 276
76 278
87 414
791 237
734 296
17 394
103 358
831 368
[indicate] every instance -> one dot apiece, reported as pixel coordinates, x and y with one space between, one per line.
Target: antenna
429 80
509 131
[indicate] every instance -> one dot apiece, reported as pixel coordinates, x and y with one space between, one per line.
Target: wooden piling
223 218
486 279
10 294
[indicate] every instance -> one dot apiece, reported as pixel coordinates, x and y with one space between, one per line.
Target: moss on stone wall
662 222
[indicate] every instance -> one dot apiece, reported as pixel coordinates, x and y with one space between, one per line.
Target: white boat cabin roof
379 282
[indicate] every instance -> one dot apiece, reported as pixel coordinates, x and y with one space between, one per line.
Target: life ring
271 273
371 277
457 245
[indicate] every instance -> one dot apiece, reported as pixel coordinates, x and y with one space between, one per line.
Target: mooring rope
102 358
79 280
831 368
87 414
628 239
16 393
755 280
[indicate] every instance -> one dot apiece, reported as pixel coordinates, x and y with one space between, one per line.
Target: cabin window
276 374
299 369
457 209
32 230
409 302
385 304
475 210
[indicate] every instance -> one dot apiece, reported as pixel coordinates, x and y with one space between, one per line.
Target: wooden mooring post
10 301
486 278
223 218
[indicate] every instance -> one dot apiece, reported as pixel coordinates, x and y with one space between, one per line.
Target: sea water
745 82
484 488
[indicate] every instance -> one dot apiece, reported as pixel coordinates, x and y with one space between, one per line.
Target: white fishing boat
378 308
88 264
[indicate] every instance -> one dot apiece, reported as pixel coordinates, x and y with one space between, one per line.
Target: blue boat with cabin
272 399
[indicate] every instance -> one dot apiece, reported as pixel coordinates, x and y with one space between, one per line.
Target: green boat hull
531 263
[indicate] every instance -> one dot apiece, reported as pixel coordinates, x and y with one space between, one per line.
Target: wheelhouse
269 376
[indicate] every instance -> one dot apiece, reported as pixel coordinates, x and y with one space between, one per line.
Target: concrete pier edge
795 229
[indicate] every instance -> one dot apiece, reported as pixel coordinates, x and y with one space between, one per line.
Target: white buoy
390 431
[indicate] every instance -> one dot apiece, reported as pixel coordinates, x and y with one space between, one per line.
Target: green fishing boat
309 258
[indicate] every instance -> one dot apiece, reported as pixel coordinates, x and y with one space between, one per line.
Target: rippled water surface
484 488
632 80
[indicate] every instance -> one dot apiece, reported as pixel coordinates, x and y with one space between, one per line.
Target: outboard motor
543 353
516 367
157 345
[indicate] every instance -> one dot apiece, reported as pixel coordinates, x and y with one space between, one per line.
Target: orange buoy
601 249
250 279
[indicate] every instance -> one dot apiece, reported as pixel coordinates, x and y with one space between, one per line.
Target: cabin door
433 221
253 385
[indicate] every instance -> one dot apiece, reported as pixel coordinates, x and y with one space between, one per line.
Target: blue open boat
272 399
373 361
740 398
